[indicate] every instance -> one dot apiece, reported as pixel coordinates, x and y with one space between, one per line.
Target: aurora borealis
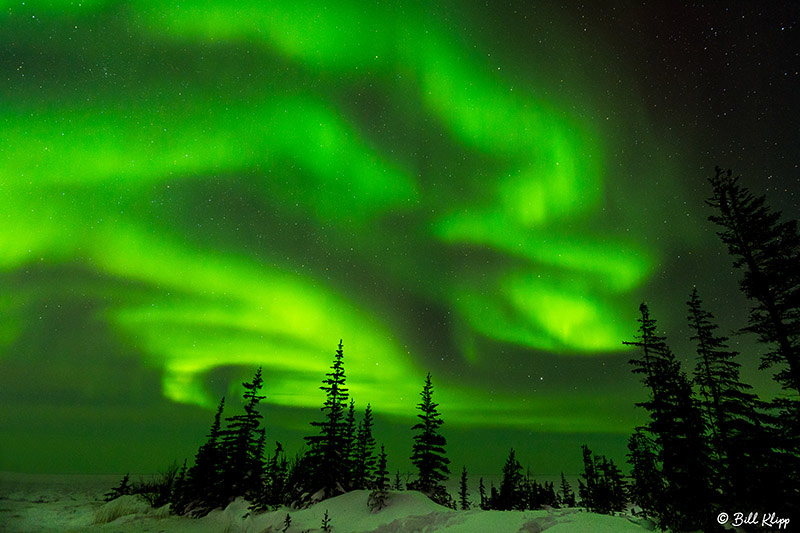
189 191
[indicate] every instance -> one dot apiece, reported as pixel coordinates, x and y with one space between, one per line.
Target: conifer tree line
711 444
340 456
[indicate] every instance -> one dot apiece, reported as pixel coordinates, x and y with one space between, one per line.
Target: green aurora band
132 122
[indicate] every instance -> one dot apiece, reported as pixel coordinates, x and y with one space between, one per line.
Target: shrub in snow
326 523
122 489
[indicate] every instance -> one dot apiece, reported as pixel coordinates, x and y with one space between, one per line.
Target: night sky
483 192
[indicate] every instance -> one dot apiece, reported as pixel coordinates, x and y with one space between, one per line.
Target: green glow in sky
245 183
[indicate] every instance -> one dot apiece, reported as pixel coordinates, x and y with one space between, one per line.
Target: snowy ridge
36 507
411 511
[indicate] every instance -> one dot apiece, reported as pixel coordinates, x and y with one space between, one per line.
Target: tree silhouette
768 252
428 453
380 492
510 496
463 492
243 442
349 452
676 421
364 452
566 497
124 488
741 443
327 460
203 488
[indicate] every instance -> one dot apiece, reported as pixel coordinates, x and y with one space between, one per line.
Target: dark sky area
486 192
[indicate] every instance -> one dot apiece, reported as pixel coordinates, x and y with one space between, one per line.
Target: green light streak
79 172
162 143
237 314
614 267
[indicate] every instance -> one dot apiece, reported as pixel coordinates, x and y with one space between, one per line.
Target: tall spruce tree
243 442
203 487
463 491
364 452
768 252
326 456
676 421
428 453
349 453
590 479
511 493
744 464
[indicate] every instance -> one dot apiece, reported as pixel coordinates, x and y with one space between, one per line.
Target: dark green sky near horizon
188 192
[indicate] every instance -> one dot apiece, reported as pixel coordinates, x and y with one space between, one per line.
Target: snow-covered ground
74 503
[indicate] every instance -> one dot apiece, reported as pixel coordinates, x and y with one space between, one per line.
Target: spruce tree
243 442
428 453
482 493
364 452
380 492
587 486
739 439
463 492
566 498
768 251
203 489
494 497
326 456
349 453
676 421
511 485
